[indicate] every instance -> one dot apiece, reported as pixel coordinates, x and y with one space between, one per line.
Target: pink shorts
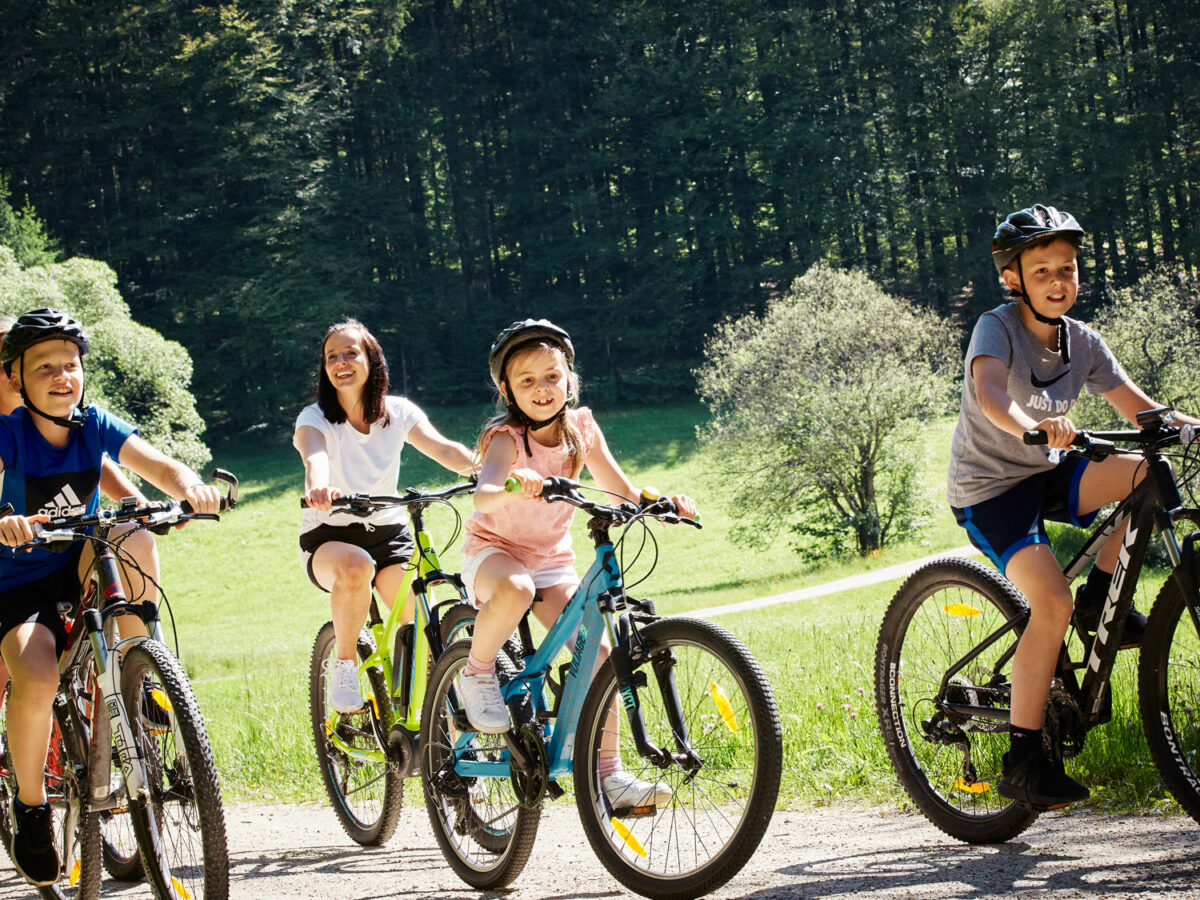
542 578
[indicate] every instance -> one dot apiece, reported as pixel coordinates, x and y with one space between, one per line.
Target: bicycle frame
591 610
411 664
1153 503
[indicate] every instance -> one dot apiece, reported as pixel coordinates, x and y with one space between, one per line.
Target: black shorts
1015 519
388 545
38 601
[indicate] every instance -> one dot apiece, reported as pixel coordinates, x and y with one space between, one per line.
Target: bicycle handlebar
655 507
1104 443
156 515
365 504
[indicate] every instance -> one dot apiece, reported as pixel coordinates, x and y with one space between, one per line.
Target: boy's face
1051 277
53 374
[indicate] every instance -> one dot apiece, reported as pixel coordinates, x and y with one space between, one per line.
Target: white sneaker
625 790
341 677
481 700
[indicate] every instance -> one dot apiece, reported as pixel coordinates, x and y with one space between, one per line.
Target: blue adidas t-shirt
39 478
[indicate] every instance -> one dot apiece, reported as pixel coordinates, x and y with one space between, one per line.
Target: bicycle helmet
33 328
524 332
41 325
1028 228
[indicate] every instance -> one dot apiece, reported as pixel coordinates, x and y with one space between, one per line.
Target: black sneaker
32 850
156 715
1087 619
1039 783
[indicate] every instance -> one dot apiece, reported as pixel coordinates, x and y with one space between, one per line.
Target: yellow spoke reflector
183 892
161 699
723 706
375 706
328 729
74 873
627 836
978 787
961 609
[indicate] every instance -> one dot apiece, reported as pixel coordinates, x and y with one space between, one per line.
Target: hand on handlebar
322 498
531 484
16 529
204 499
1059 431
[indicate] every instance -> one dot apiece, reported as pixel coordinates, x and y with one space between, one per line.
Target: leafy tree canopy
132 370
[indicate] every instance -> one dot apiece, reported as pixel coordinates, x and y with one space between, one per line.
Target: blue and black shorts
1017 518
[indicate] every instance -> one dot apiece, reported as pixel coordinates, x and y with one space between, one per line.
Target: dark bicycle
944 657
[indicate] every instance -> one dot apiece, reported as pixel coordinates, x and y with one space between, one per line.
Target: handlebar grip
1035 438
511 485
6 510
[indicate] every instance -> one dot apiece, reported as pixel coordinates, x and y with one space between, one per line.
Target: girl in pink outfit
518 544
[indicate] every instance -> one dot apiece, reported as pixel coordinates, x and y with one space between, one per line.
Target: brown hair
374 394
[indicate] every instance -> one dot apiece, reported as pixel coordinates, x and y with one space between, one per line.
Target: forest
256 169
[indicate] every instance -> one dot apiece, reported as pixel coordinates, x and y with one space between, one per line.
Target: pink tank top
535 534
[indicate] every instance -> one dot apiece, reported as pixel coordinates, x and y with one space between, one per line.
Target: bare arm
1128 399
991 390
611 477
315 454
495 468
170 476
450 454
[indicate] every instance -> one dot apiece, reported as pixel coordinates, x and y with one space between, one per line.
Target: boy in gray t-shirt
1025 367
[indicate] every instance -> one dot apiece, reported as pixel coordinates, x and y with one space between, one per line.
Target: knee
35 680
515 591
1053 609
354 572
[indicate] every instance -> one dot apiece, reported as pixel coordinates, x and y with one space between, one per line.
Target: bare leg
32 663
346 572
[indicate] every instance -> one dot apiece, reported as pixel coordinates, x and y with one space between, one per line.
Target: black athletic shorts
38 601
388 545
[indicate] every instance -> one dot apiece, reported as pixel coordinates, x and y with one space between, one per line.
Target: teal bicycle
698 716
366 755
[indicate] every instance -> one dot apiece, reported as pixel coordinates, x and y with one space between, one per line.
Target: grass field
247 617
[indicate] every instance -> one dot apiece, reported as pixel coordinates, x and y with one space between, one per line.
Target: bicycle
699 716
127 733
947 639
366 756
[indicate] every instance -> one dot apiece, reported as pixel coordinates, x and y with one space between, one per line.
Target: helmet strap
74 422
1064 343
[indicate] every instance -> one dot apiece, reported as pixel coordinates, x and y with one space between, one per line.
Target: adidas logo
65 503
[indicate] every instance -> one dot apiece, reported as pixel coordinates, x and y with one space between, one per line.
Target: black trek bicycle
944 657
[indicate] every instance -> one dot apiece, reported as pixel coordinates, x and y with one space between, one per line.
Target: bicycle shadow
1151 861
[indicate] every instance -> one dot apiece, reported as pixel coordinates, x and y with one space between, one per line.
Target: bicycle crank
528 764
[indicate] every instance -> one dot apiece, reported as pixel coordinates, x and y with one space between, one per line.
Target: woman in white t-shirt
350 441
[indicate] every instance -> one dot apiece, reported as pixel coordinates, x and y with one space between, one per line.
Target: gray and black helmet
524 332
1029 227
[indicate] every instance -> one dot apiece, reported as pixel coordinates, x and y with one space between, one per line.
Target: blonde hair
508 413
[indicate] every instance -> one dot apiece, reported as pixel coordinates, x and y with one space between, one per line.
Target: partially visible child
350 440
1025 367
517 544
51 452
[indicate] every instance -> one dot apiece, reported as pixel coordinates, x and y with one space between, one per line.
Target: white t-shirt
362 463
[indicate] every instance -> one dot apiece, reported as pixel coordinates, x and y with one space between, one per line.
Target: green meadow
246 616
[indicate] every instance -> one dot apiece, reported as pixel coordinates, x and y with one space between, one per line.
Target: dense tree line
637 171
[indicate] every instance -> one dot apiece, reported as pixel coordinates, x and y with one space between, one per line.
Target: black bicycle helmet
1028 227
41 325
523 332
32 328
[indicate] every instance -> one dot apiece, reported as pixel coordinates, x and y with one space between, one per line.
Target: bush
816 405
131 370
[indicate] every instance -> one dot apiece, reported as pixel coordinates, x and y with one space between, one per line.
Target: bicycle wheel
722 800
1169 695
366 793
485 834
180 825
948 762
118 843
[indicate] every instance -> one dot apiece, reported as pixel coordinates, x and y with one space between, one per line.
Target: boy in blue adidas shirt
51 451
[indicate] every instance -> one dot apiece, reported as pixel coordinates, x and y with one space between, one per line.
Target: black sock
1096 588
1024 743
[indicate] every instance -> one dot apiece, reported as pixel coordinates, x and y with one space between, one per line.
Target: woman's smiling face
346 360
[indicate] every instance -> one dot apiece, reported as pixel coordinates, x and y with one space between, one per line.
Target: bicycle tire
484 833
718 811
118 842
366 795
182 817
61 789
1168 680
942 611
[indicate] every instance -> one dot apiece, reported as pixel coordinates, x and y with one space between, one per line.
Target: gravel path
301 852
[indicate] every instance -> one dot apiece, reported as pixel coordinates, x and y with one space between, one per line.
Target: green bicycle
366 755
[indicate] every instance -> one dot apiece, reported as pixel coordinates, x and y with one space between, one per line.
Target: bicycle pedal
635 812
462 723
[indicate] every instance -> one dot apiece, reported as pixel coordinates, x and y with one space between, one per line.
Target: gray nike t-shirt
986 461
